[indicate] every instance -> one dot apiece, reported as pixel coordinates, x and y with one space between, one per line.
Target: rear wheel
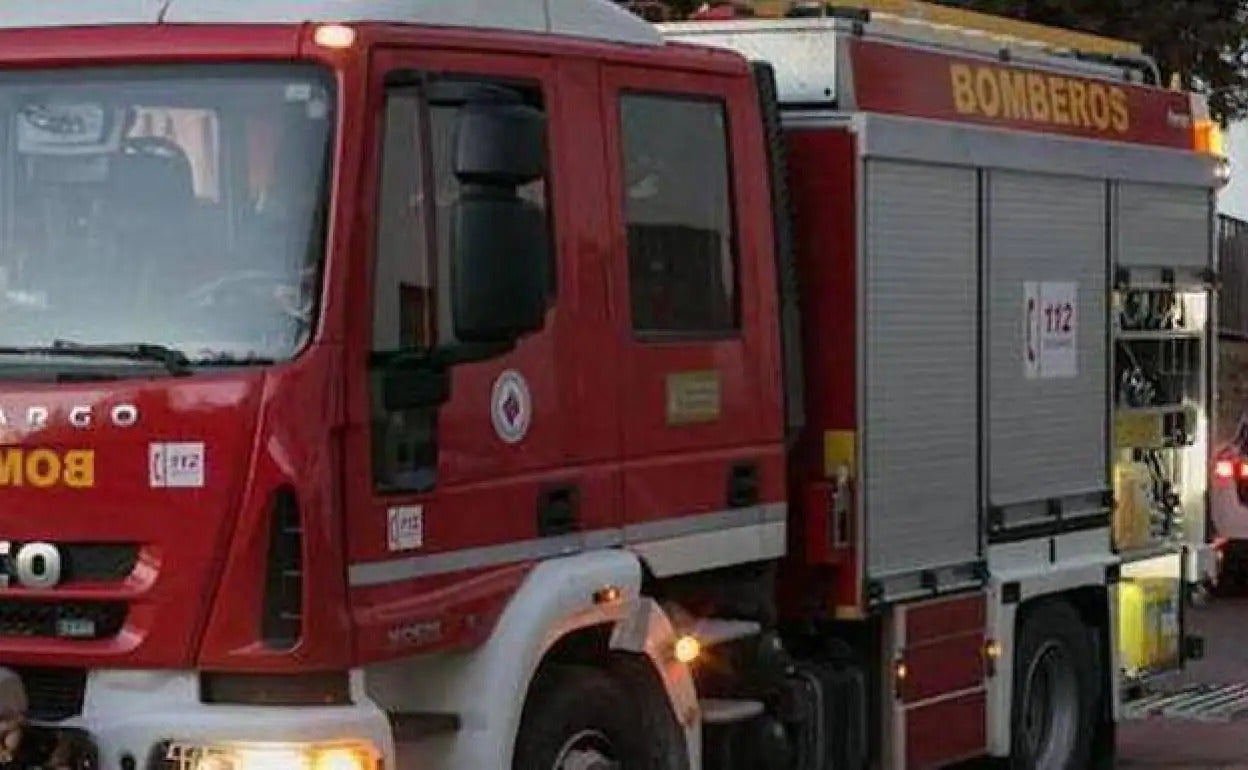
583 718
1056 692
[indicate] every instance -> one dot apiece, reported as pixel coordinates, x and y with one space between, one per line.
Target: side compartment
921 380
1047 358
936 692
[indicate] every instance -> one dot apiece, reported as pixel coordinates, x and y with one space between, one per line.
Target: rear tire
1056 692
583 718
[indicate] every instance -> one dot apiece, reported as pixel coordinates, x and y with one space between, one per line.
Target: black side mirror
500 145
502 251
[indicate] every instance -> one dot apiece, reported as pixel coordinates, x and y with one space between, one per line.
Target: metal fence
1233 272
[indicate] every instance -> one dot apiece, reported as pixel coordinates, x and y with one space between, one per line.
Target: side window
679 214
403 301
412 314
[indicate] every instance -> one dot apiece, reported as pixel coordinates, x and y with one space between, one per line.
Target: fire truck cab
516 384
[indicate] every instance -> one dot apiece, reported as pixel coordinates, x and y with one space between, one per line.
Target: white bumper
127 713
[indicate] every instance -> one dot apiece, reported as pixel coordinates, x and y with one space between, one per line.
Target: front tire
583 718
1056 692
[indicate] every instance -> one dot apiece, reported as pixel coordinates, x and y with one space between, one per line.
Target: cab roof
599 20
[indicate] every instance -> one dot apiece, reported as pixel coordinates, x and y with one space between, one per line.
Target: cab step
717 711
415 727
711 632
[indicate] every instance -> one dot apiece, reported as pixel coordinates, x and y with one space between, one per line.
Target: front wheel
1056 692
582 718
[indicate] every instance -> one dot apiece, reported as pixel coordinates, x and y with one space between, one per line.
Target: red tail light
1226 470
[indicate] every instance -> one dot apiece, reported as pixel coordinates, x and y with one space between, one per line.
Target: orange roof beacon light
336 36
1208 138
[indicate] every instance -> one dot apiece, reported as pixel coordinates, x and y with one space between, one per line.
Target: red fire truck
515 384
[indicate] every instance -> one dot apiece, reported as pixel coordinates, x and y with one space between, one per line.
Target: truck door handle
558 511
743 485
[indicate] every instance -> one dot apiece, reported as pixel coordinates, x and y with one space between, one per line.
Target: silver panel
22 13
1164 226
935 142
803 52
596 19
1047 437
921 380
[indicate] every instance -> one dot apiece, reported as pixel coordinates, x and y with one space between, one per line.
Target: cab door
695 310
450 503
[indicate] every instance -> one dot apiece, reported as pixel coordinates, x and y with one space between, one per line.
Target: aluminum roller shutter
1048 436
921 381
1164 226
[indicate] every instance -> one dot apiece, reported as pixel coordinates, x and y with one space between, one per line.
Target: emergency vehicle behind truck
518 384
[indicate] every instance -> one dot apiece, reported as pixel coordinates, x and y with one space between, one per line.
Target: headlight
273 756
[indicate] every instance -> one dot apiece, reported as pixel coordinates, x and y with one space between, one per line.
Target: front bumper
128 716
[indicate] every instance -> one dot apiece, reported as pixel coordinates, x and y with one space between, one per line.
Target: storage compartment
1047 363
1164 226
1161 397
921 442
1149 626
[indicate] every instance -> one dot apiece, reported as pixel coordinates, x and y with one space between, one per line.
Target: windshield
181 207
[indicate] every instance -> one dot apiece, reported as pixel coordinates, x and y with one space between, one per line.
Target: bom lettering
1006 94
45 468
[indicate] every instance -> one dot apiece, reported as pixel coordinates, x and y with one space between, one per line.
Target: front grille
93 562
54 694
62 620
98 563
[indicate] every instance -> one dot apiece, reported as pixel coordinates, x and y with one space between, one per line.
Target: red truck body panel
825 203
893 79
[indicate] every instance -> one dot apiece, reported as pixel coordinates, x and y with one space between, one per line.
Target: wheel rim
1050 725
587 750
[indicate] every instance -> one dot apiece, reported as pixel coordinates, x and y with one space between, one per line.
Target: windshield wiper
226 360
174 361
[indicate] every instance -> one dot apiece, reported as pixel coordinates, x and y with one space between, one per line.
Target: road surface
1193 744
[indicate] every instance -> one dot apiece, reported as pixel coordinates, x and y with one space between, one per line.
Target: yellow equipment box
1148 625
1132 515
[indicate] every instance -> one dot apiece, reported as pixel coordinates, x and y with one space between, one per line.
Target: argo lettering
1008 94
45 468
78 416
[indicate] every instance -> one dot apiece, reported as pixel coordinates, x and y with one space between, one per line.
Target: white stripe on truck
755 534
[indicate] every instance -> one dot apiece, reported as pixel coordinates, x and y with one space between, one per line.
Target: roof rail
1020 32
927 20
1139 62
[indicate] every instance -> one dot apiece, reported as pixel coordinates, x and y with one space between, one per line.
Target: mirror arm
471 352
441 357
421 379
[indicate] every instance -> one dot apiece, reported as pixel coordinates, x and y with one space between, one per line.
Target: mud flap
829 719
